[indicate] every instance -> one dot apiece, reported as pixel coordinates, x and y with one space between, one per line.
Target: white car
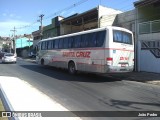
9 58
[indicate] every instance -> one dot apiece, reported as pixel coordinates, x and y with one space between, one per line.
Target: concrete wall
106 11
106 16
147 37
107 20
148 13
126 20
148 62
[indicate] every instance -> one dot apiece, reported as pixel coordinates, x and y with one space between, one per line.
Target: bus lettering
68 54
83 54
124 58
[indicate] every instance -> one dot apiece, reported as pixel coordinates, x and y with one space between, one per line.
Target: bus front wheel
42 62
71 68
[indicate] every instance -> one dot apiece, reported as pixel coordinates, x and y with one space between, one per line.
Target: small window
65 43
70 42
49 45
41 45
53 41
122 37
46 45
117 36
60 43
100 38
84 40
77 41
93 39
56 44
87 38
158 44
127 38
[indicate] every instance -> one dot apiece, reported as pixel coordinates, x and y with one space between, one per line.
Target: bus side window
53 43
56 44
46 45
117 36
77 41
85 40
100 38
93 39
49 45
60 43
127 38
65 43
70 42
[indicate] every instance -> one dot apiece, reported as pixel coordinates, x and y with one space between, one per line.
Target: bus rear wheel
71 68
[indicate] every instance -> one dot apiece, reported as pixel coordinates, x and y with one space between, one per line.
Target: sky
23 14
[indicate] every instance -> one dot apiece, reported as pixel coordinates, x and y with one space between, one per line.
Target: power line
67 8
56 13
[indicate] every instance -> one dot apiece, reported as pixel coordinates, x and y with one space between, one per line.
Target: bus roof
88 31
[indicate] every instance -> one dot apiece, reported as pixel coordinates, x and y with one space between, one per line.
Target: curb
7 106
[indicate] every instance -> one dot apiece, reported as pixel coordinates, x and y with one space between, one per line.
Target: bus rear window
122 37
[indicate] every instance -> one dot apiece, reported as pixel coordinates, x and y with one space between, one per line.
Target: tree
5 46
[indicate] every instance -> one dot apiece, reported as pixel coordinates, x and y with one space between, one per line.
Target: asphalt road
87 92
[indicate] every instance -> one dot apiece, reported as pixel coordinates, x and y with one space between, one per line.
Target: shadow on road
64 75
120 99
122 104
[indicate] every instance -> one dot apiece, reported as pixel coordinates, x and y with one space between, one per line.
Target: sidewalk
18 95
145 77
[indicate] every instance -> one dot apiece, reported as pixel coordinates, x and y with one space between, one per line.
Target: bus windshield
122 37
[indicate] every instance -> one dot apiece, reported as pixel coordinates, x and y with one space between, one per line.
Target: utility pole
41 20
14 40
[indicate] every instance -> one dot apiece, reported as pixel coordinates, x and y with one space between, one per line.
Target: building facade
144 22
94 18
36 37
53 29
148 35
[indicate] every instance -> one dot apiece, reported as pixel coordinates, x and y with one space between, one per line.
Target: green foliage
5 46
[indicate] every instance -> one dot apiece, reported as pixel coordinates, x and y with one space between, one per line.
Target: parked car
9 58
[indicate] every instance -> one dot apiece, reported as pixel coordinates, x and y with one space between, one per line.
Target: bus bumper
115 69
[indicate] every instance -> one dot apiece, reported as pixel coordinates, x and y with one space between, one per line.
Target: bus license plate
123 65
122 69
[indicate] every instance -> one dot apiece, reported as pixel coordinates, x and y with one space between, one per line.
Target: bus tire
71 68
42 61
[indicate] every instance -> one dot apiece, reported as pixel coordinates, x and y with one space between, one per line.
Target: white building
144 21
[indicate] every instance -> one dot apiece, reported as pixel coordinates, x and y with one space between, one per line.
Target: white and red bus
101 50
